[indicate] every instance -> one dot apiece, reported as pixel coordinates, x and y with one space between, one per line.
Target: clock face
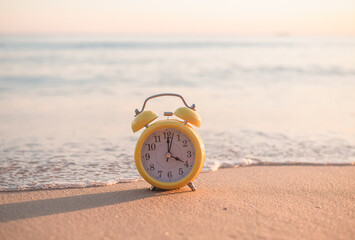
168 155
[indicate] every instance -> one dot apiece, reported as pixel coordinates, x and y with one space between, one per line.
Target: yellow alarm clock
169 153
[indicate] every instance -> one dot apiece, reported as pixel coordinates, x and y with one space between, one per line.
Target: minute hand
171 142
167 141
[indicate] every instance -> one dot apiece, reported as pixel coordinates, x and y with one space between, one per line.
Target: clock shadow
45 207
160 191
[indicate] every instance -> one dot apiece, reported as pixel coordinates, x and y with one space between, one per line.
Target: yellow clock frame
196 140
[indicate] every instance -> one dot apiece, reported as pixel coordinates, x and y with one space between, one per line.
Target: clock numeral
147 156
167 134
186 164
184 143
170 174
157 138
189 154
151 146
178 136
180 171
151 167
159 172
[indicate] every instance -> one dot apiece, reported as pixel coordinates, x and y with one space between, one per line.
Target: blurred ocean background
67 102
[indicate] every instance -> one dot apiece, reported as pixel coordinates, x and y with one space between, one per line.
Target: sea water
67 102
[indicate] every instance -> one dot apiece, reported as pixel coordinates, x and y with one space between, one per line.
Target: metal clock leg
192 186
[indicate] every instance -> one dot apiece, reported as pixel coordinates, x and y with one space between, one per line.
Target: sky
219 17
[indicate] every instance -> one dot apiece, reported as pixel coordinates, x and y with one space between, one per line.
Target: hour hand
177 159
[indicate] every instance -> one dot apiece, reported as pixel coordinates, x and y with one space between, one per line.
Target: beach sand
273 202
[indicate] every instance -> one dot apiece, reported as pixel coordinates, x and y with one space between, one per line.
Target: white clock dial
168 155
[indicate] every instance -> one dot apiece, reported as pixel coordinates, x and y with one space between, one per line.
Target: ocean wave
48 164
211 168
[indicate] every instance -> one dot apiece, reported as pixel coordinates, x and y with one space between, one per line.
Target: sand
272 202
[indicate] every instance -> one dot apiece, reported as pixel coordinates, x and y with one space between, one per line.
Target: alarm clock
169 153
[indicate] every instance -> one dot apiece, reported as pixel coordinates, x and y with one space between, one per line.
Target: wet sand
273 202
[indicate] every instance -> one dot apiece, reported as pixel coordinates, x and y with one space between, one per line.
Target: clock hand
171 142
177 159
167 141
168 154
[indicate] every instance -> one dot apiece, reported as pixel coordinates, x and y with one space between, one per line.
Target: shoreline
288 202
257 163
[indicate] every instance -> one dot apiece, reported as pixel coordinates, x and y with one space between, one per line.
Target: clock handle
161 95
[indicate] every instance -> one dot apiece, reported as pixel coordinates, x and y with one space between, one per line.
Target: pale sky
305 17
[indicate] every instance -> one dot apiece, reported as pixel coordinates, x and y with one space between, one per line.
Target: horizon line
276 34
